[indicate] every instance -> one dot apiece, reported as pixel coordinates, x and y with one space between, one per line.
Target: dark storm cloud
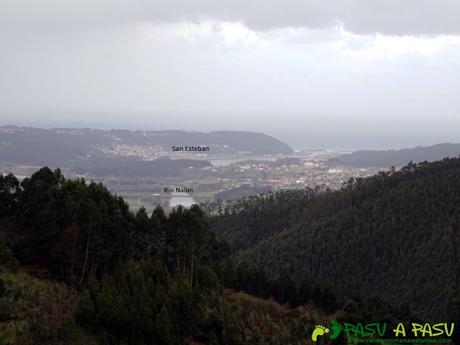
360 16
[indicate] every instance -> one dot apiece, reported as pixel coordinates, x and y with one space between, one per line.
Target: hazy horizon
333 137
348 74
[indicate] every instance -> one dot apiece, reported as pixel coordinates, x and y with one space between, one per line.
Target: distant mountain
395 235
221 141
59 146
397 158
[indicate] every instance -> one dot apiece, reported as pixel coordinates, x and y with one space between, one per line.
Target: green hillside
394 235
78 267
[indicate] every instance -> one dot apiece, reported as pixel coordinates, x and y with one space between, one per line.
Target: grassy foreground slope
394 235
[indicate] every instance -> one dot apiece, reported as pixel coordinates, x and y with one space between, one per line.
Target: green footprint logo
336 329
319 331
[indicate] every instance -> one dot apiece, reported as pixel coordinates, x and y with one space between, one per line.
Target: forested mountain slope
77 267
394 235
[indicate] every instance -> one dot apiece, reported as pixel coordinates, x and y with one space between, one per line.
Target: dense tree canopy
78 267
139 278
394 235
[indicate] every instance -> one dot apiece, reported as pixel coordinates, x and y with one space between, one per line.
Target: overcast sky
315 73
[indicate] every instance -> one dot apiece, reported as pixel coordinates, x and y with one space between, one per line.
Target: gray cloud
360 16
89 61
